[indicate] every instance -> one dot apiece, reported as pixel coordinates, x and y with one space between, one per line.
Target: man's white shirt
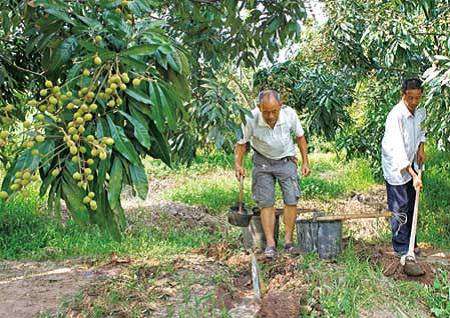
402 137
273 143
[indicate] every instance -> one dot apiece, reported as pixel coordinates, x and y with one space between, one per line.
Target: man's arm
239 153
421 157
303 146
417 180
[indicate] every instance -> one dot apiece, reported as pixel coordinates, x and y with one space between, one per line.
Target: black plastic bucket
323 237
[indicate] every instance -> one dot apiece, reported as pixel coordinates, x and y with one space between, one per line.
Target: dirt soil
280 304
28 289
385 257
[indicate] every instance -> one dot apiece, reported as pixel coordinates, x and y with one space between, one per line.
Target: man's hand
417 183
305 170
421 156
239 172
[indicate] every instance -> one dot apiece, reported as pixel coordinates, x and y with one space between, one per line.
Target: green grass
344 290
434 217
438 295
28 233
218 191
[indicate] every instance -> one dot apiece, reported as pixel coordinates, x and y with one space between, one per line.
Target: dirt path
30 288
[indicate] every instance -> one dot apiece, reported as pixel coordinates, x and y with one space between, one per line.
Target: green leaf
120 216
141 7
92 23
102 129
160 147
117 25
103 167
6 22
174 61
139 179
61 15
63 53
46 148
115 183
144 49
122 143
54 200
138 95
140 132
180 83
138 111
134 63
46 182
161 59
162 109
73 196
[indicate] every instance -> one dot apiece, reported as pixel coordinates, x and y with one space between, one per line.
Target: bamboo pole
299 210
344 217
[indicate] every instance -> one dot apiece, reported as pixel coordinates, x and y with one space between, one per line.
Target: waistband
284 159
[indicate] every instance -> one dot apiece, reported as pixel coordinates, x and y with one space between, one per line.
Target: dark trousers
401 199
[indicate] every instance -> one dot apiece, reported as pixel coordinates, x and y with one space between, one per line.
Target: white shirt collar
404 109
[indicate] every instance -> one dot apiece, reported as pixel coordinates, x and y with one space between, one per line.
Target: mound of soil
391 266
176 215
280 304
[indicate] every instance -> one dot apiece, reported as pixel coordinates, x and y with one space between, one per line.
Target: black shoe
292 250
270 252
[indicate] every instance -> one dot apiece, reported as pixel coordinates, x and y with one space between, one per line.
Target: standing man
402 152
270 132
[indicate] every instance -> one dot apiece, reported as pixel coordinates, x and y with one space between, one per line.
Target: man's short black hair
411 83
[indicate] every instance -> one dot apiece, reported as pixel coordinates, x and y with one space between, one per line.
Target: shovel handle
241 193
412 238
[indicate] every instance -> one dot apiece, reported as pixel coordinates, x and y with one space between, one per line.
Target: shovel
239 215
408 261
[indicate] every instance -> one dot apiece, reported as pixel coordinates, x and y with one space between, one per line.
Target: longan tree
108 101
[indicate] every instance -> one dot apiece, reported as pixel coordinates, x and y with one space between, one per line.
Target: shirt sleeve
394 145
422 131
247 132
296 125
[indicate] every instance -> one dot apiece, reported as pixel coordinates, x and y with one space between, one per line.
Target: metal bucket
323 237
253 235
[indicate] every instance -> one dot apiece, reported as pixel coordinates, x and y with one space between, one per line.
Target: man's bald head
269 105
268 95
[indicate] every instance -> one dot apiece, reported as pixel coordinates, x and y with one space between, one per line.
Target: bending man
402 150
271 132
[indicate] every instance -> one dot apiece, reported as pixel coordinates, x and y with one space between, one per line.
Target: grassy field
27 232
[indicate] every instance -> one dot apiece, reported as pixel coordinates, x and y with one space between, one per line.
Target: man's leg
263 189
289 217
268 224
289 183
397 198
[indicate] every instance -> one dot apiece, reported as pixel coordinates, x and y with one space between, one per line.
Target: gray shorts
265 172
